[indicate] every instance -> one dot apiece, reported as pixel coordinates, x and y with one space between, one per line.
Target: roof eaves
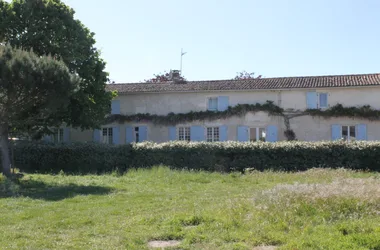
245 90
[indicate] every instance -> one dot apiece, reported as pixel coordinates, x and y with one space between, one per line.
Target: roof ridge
274 83
243 80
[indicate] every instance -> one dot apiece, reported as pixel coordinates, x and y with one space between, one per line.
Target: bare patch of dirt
265 248
163 243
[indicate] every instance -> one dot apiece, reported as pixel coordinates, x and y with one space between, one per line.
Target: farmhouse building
312 108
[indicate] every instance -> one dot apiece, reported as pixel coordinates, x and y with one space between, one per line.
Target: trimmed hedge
223 156
71 158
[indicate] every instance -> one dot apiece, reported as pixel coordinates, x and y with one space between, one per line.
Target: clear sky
139 38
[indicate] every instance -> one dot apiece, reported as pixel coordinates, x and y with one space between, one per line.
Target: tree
162 78
32 90
244 75
48 27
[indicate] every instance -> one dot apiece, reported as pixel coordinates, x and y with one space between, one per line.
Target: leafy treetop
162 78
48 27
33 90
244 75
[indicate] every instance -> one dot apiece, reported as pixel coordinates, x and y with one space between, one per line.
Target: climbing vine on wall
364 112
173 119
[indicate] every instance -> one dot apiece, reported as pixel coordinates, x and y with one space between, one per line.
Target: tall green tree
48 27
32 90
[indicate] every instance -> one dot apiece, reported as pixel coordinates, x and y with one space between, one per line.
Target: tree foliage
244 75
162 78
48 27
33 90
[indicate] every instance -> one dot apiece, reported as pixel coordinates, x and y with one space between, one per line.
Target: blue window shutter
143 133
323 100
172 134
209 107
223 132
336 132
242 133
212 104
96 135
272 133
48 138
115 107
66 134
311 100
129 138
223 103
361 134
116 135
197 133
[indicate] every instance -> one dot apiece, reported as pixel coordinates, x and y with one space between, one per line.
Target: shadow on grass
40 190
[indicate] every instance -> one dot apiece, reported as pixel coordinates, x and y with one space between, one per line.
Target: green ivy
365 112
173 119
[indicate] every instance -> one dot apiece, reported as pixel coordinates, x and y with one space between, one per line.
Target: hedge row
71 158
223 156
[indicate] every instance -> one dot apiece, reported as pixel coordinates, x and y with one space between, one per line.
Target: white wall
164 103
306 128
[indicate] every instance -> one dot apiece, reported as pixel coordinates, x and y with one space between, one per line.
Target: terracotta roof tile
332 81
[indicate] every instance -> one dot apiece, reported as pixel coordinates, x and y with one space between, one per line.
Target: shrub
221 156
71 158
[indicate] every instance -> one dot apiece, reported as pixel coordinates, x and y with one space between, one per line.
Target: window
213 134
58 135
184 134
323 100
137 134
257 134
315 100
348 133
213 104
107 135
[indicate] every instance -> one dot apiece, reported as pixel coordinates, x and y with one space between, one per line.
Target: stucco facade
164 103
306 128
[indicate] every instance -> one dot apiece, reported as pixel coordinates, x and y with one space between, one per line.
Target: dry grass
363 189
342 198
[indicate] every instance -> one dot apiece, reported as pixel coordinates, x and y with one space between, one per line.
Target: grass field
317 209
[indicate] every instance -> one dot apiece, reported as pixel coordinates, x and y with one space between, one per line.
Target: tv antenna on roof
182 54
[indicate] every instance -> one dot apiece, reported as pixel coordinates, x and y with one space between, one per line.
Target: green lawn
317 209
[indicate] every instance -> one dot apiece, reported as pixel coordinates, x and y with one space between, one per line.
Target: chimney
175 76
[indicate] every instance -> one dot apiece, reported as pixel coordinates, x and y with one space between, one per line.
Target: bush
71 158
223 156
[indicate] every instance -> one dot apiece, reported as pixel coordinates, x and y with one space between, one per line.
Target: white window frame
212 136
185 135
58 135
257 131
319 100
348 132
208 103
108 138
